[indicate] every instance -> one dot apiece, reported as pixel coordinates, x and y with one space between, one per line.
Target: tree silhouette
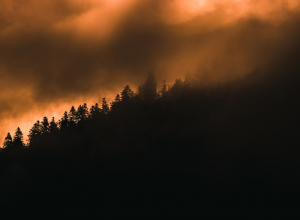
53 126
163 88
95 112
64 122
8 141
72 117
35 131
148 90
18 139
126 94
117 99
115 102
105 107
45 125
92 112
82 112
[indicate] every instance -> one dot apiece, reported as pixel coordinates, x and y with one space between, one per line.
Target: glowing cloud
65 52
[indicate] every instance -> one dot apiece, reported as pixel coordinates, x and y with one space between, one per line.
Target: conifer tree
85 111
45 125
97 109
53 126
126 94
18 139
147 91
72 117
7 141
79 113
116 102
163 88
149 88
105 107
92 112
95 112
64 122
117 99
82 112
35 131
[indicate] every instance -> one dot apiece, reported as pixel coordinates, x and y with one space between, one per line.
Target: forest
180 151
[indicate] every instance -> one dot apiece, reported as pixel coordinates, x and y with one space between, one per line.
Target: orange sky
59 53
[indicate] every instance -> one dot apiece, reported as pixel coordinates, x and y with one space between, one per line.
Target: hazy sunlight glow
52 37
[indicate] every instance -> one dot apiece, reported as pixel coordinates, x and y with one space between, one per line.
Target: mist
55 54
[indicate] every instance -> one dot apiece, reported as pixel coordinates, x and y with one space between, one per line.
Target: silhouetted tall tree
53 126
64 122
163 88
117 99
92 112
72 117
148 90
45 125
82 112
116 102
35 131
7 141
105 107
85 111
95 112
18 139
126 94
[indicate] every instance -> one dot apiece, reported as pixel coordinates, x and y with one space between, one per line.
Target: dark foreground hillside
185 152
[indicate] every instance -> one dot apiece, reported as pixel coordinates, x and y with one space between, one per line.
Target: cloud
58 53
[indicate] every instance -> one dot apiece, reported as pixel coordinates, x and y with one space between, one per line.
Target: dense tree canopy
8 141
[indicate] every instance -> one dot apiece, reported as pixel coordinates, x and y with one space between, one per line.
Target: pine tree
147 91
92 112
105 107
116 102
35 131
18 139
163 88
95 112
72 117
97 109
53 126
7 141
117 99
45 125
149 88
126 94
85 111
64 122
82 112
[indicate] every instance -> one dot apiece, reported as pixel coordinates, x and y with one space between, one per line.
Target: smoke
58 53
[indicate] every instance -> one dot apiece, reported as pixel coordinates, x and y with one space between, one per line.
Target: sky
59 53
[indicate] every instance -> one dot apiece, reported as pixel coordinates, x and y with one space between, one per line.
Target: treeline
133 120
177 151
76 119
124 152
